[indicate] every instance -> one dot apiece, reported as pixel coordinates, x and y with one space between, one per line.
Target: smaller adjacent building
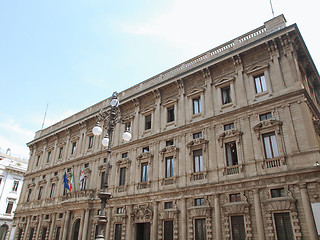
12 170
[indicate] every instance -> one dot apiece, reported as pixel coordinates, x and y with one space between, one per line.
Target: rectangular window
58 229
277 192
128 126
226 95
229 126
124 155
73 149
238 229
200 229
170 116
145 149
197 135
44 233
15 186
196 103
231 154
265 116
49 156
283 226
9 207
40 192
147 125
120 210
168 230
38 160
83 183
168 205
236 197
117 231
52 190
90 142
199 201
197 160
60 152
122 180
270 145
31 233
260 83
169 143
144 172
169 167
29 194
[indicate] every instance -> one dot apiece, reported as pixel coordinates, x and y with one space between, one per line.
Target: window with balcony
144 172
169 167
270 145
197 161
260 83
231 154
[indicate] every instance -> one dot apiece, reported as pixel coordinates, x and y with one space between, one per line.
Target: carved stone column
217 216
27 227
39 227
308 212
183 222
85 224
65 226
108 227
257 210
51 230
155 221
129 225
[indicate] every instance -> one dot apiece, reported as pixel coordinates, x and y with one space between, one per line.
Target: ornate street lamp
112 116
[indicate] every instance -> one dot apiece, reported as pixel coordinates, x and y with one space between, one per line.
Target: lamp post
112 116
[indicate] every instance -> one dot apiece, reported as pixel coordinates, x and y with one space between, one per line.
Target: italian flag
72 180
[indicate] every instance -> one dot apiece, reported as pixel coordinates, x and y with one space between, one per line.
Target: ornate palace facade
224 146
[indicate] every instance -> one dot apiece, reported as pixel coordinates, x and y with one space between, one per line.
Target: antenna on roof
271 8
45 114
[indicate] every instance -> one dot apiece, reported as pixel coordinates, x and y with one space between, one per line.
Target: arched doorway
75 230
3 231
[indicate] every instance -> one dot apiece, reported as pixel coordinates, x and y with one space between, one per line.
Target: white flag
81 178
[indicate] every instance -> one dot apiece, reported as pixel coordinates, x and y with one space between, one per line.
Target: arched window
3 231
75 230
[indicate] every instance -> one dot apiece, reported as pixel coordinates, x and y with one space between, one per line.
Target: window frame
144 172
270 145
226 95
148 122
15 186
196 105
231 162
170 114
198 165
262 83
169 172
122 176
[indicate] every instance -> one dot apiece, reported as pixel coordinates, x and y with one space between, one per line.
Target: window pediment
123 162
271 124
280 204
169 150
141 214
224 80
31 185
54 179
226 135
39 152
145 156
148 110
75 138
62 143
237 208
198 142
257 68
42 182
196 91
170 101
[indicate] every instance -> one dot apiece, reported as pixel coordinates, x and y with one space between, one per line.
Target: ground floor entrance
142 231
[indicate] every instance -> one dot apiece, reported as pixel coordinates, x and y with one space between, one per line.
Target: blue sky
72 54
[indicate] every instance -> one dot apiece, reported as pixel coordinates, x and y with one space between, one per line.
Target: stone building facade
12 170
224 146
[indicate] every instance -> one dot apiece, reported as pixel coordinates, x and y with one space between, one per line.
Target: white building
12 170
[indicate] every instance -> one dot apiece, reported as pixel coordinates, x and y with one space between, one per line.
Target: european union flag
65 181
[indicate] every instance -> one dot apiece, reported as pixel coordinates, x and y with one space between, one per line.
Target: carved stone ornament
196 91
74 138
123 161
224 80
169 150
256 68
272 124
145 155
197 142
141 214
233 133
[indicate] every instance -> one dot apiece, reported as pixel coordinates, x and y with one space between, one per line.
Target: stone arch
75 229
